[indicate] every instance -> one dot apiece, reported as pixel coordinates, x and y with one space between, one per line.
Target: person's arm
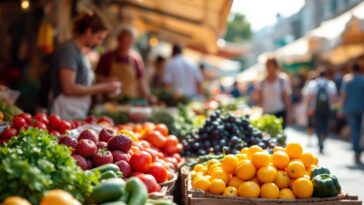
70 88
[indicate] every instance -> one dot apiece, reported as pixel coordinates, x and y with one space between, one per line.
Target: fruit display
33 163
153 157
226 134
287 173
8 111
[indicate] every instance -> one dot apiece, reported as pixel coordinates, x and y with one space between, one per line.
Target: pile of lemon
255 173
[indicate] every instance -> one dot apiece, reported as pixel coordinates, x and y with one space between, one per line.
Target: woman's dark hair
160 59
272 61
356 68
88 21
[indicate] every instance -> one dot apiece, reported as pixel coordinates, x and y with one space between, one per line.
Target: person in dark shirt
353 107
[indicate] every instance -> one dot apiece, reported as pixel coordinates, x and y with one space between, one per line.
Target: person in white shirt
274 92
322 94
182 75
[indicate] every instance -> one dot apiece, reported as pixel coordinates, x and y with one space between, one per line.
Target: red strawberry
90 135
120 142
119 155
101 145
106 134
125 168
81 161
86 148
68 141
90 165
103 156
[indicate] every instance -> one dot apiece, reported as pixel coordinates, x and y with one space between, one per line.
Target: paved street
338 157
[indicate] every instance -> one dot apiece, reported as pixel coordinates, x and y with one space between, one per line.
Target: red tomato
159 172
162 128
177 157
140 161
144 144
42 117
19 122
153 154
136 174
40 125
147 126
54 120
170 150
91 120
135 149
55 133
27 117
149 182
156 139
9 133
171 141
106 119
63 126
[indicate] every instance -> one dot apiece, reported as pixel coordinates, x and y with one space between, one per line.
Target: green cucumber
107 167
108 174
108 190
138 191
125 197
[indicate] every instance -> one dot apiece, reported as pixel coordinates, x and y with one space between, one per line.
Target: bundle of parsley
34 162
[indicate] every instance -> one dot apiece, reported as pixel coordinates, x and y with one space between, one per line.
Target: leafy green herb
34 162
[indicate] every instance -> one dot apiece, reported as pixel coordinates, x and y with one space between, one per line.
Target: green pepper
326 185
318 170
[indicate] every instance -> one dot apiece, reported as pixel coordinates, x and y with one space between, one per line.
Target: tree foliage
238 29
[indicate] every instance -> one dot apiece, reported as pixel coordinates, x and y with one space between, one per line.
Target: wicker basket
169 184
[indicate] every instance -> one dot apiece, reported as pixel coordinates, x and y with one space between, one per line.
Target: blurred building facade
288 29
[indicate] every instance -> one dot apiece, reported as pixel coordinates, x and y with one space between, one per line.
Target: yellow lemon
282 180
267 174
217 186
260 159
294 150
229 163
269 191
249 189
286 194
245 170
302 188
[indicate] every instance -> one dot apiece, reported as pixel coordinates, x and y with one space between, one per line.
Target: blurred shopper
274 92
322 95
235 91
353 106
157 81
309 126
72 75
181 75
125 65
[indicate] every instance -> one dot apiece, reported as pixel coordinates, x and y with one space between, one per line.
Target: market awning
196 23
252 74
301 50
334 29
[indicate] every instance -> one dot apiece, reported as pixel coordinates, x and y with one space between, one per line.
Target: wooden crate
196 197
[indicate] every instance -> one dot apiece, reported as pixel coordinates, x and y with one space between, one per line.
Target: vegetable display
326 185
271 125
34 163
